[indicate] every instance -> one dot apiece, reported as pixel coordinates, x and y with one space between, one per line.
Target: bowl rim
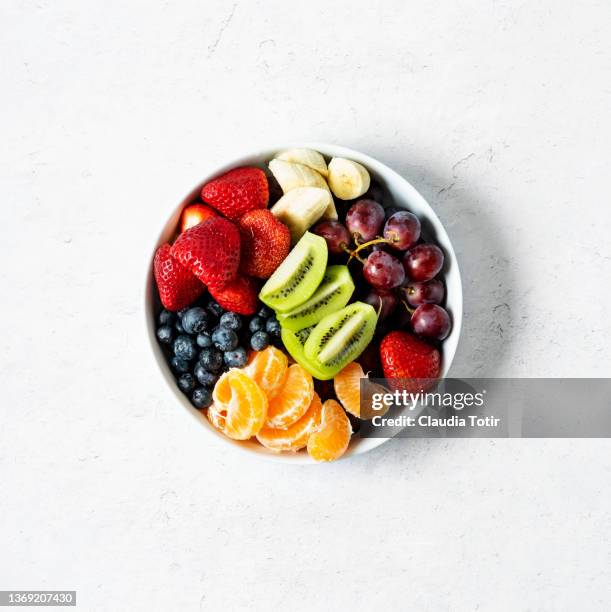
358 446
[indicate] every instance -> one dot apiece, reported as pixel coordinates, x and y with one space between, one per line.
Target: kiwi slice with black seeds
333 293
298 276
293 342
340 338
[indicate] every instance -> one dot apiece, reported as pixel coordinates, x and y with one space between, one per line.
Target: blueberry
186 382
211 359
166 317
181 312
204 340
231 320
165 334
259 341
208 379
179 365
195 320
224 339
256 324
185 348
264 312
201 398
237 358
215 309
179 328
273 327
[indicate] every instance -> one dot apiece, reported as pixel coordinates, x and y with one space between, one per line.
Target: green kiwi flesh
293 343
340 338
332 294
298 276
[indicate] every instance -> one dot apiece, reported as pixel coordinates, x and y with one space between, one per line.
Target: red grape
383 302
402 230
431 321
423 262
429 292
383 271
335 233
364 220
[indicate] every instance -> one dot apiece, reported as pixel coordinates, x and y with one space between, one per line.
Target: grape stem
410 310
351 253
365 245
377 240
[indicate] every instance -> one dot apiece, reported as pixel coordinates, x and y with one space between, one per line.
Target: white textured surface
497 111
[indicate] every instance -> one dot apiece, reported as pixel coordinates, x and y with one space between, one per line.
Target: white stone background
497 111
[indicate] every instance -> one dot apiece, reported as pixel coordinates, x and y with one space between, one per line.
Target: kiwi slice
332 294
298 276
293 343
340 338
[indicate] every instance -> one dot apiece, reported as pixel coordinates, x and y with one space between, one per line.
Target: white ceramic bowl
404 195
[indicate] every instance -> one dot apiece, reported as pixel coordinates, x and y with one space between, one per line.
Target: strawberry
177 286
194 214
237 192
265 243
405 356
211 250
239 295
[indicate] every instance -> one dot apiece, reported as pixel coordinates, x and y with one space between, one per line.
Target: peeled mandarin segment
292 400
347 385
216 418
296 435
240 406
268 369
331 439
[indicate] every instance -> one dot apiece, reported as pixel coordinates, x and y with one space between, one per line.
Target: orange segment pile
268 369
292 400
347 385
332 437
240 406
295 436
277 404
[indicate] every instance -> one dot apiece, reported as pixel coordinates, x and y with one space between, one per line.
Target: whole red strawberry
177 286
239 295
237 192
194 215
407 357
211 250
265 243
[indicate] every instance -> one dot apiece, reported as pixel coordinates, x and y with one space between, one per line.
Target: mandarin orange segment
331 438
347 385
240 406
268 369
296 435
292 400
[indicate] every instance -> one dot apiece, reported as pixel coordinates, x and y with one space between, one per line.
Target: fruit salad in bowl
283 280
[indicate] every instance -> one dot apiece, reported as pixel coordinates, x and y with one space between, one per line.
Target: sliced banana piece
307 157
291 175
300 208
347 178
330 213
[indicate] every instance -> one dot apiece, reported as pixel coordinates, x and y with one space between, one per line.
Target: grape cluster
203 341
398 266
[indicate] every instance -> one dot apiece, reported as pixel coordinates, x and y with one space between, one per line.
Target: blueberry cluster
204 340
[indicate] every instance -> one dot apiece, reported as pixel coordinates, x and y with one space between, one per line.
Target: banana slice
330 213
292 175
347 178
300 208
307 157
